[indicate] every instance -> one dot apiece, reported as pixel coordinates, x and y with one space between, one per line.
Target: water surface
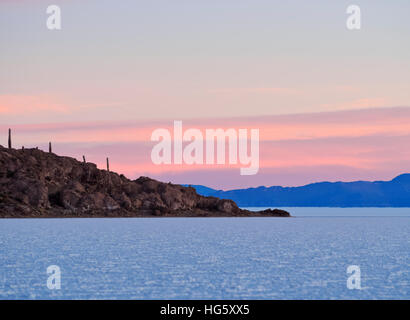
206 258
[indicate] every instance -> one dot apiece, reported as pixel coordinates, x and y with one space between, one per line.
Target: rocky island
34 183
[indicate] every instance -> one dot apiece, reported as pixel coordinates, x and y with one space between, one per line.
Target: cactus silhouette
9 138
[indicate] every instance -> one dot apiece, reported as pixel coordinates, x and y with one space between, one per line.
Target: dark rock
34 183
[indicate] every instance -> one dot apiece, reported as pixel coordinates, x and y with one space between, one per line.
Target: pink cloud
357 104
304 147
355 123
18 104
260 90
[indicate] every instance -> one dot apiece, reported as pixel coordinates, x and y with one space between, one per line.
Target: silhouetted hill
394 193
34 183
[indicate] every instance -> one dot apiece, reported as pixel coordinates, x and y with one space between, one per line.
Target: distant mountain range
394 193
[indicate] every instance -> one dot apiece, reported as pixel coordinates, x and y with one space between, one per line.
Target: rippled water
206 258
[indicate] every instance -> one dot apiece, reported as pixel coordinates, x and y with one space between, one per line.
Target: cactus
9 138
108 165
84 159
50 150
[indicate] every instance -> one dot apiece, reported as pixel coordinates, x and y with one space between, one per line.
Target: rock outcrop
34 183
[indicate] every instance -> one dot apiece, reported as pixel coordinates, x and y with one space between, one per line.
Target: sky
330 103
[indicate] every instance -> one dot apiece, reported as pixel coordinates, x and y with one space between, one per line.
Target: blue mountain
394 193
202 190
